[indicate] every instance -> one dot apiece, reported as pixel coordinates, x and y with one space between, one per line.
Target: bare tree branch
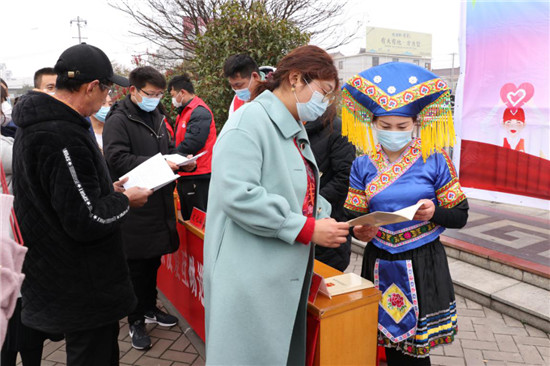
173 25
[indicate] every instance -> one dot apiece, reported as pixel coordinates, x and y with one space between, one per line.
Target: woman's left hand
426 211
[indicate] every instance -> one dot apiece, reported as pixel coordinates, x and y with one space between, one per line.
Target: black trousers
21 339
93 347
397 358
193 192
143 273
30 357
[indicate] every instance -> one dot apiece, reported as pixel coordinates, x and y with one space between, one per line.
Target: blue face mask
313 109
244 94
102 113
148 104
393 140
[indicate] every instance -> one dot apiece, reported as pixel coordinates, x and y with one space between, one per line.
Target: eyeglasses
152 95
104 87
327 97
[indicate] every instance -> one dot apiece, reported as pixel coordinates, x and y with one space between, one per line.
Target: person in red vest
243 75
195 133
514 122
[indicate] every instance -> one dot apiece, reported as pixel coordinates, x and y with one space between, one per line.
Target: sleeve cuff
306 233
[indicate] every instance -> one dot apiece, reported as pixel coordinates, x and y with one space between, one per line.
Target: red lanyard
13 220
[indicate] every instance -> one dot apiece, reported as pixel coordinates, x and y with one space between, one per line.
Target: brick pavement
486 337
170 348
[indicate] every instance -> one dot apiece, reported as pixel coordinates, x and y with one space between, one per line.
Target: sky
36 32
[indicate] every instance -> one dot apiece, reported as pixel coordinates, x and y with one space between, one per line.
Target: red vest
237 103
519 147
204 163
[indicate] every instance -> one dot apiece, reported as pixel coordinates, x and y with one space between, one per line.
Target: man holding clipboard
195 133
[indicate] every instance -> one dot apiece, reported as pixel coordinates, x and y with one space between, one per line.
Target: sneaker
159 317
140 339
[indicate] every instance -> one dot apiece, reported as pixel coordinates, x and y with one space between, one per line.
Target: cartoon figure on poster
513 118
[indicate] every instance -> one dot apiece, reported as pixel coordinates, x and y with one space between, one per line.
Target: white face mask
393 140
175 103
244 94
313 109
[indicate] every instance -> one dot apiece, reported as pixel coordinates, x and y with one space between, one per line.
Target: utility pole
453 71
78 21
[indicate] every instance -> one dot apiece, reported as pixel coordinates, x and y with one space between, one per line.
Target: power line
78 21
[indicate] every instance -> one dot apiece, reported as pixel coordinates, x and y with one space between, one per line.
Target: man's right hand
137 196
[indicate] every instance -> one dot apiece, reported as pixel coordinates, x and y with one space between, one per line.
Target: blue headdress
398 89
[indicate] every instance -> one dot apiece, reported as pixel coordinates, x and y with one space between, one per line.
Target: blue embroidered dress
406 261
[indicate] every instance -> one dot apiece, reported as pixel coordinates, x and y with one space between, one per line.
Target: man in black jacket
69 211
334 155
134 132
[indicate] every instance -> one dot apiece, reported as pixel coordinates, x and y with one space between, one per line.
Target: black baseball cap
87 63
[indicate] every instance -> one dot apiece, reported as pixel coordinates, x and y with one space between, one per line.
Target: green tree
236 30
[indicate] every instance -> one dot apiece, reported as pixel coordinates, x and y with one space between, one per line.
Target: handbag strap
13 219
3 179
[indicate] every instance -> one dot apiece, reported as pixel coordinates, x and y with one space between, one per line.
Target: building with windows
390 45
349 66
386 45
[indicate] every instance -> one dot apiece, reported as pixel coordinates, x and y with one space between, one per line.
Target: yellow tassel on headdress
437 129
357 124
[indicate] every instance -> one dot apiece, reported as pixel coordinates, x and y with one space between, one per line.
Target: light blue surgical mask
313 109
102 113
148 104
393 140
244 94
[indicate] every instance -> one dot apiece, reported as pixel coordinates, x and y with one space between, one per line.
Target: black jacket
334 155
129 140
76 273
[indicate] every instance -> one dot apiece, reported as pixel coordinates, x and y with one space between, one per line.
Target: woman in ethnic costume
406 260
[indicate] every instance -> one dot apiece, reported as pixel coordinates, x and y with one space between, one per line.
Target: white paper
153 173
181 160
379 218
346 282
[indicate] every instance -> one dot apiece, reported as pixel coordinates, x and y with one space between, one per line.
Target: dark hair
313 62
146 74
180 82
241 64
414 118
64 82
3 82
39 73
3 94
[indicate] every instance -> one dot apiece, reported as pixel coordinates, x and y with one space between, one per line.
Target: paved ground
521 232
170 348
486 337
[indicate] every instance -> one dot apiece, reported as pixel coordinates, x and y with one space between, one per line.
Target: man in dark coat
134 132
69 211
334 155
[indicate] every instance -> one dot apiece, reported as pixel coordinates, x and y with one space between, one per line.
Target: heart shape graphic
515 97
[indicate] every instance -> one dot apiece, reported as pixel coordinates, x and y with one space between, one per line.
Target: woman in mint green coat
264 214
